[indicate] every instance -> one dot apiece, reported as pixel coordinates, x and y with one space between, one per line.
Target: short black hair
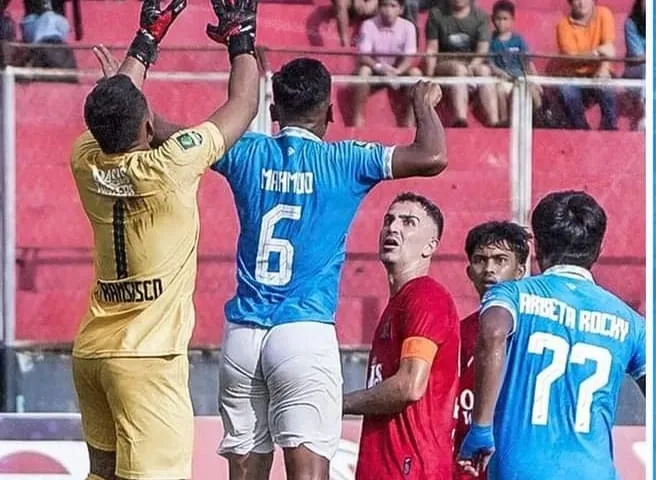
400 2
113 112
301 86
432 210
504 6
569 227
502 234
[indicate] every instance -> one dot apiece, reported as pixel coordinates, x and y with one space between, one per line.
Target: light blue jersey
296 197
571 345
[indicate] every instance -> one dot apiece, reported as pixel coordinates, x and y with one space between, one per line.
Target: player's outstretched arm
426 156
153 25
236 29
496 324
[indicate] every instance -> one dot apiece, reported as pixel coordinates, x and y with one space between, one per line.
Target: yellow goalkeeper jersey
143 209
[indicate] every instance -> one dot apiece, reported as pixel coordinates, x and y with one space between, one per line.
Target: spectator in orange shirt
589 30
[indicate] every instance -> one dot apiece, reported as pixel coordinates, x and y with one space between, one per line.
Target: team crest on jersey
189 140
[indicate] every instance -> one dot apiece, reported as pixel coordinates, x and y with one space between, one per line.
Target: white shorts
281 385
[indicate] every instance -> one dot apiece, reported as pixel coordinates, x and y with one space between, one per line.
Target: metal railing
520 148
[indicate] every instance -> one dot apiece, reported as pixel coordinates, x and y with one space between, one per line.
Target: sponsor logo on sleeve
189 140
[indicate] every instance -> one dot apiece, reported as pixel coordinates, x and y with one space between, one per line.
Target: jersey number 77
563 352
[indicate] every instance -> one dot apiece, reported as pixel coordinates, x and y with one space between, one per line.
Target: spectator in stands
460 27
360 9
636 47
44 26
7 29
510 57
589 30
385 43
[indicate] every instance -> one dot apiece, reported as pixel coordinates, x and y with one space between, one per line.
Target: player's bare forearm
234 116
426 156
134 69
490 358
388 397
430 139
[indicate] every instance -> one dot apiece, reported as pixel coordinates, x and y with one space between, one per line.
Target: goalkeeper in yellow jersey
138 179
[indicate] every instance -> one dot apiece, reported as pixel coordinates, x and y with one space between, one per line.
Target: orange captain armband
419 347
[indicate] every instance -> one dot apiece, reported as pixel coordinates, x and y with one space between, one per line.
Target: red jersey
465 398
416 444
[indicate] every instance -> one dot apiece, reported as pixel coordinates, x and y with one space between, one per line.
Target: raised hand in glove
153 25
236 26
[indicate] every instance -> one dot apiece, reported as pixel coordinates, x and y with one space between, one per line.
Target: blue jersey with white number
571 346
296 197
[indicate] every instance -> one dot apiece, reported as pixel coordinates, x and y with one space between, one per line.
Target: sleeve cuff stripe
387 163
506 306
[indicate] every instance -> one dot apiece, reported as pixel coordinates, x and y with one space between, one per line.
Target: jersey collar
298 132
571 271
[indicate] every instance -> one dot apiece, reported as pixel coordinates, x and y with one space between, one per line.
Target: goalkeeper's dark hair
301 86
569 228
432 210
113 112
506 235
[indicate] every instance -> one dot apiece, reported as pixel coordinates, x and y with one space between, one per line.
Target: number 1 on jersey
268 245
118 227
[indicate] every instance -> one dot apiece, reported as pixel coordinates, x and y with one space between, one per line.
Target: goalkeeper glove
153 25
236 25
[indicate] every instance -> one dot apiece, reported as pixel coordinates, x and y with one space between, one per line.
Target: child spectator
509 57
387 42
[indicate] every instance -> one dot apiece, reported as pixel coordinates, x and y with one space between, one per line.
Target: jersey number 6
268 244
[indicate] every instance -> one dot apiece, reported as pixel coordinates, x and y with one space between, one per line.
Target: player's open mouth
391 242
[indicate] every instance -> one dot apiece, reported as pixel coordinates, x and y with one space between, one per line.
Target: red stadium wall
53 237
54 269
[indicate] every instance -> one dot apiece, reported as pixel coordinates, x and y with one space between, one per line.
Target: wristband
479 439
242 43
144 48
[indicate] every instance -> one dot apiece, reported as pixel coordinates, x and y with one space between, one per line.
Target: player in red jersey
497 251
413 365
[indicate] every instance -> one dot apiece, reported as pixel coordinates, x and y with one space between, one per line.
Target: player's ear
470 273
521 270
150 126
330 117
430 247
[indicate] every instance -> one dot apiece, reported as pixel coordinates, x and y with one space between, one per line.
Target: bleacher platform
54 270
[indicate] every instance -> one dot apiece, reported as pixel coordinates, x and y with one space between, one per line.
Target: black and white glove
236 25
